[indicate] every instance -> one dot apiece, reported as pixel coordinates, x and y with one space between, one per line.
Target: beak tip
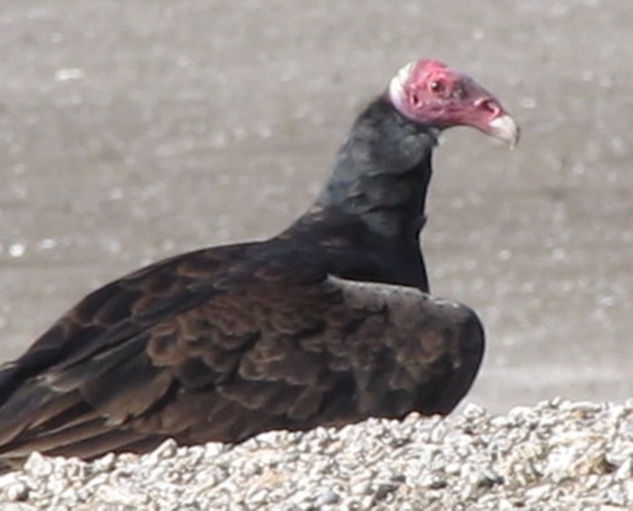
505 128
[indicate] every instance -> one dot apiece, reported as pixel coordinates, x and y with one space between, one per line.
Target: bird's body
326 324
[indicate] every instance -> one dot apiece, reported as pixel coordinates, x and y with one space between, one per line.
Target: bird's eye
437 86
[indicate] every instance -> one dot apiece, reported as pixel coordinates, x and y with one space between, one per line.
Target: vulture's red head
431 93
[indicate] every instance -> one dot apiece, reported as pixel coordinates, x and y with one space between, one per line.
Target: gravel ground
556 455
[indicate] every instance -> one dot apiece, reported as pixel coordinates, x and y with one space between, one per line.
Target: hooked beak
504 128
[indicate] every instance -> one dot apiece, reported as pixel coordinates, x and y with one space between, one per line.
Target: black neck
374 201
380 175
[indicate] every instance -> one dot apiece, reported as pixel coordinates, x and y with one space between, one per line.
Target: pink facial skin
430 93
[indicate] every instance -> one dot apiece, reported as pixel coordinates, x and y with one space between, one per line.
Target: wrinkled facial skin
431 93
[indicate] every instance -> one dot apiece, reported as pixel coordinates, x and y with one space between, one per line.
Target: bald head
430 93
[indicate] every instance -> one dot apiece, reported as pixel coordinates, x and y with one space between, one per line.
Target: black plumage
326 324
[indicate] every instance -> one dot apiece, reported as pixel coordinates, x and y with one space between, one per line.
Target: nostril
488 104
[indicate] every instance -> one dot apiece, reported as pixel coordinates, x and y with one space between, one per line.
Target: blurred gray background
132 130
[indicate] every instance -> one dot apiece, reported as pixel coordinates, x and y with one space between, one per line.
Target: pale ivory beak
504 128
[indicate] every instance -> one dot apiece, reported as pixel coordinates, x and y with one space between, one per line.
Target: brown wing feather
212 347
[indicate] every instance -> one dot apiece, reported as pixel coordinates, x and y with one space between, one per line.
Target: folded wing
204 348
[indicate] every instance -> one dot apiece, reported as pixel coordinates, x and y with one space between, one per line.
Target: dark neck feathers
380 175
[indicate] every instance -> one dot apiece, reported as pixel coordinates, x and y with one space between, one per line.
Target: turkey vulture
326 324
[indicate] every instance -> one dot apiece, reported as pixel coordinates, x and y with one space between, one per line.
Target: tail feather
108 441
35 415
49 441
28 405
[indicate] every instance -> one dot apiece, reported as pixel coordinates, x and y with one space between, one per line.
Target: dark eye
437 86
